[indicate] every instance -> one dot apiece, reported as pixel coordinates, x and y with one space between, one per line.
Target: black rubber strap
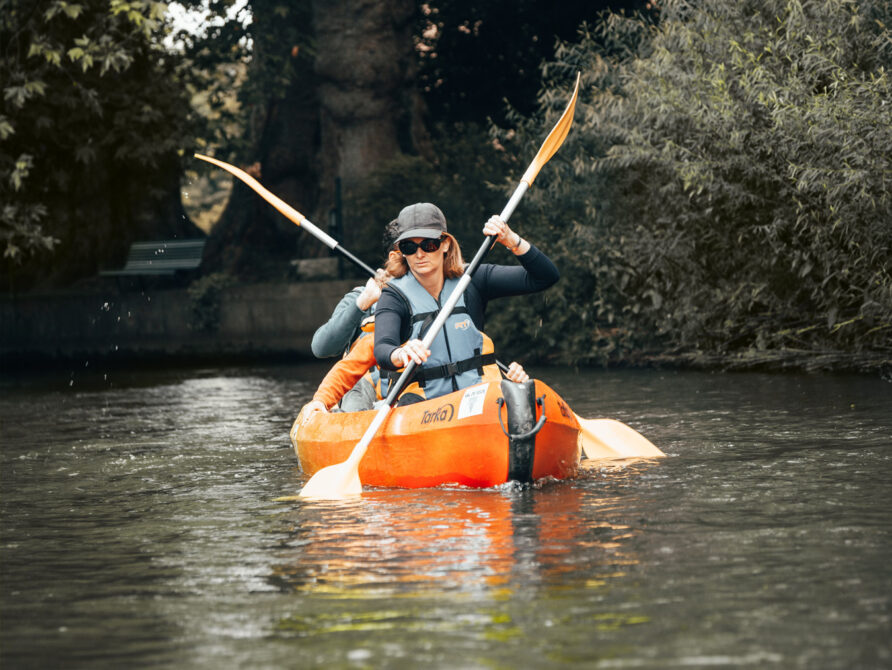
424 374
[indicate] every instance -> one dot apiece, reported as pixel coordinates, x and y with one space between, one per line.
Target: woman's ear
445 245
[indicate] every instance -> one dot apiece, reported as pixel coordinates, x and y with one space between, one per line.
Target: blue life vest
457 352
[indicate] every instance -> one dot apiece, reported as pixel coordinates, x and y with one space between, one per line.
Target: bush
724 187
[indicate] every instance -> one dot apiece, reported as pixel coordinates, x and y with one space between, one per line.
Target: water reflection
408 542
139 529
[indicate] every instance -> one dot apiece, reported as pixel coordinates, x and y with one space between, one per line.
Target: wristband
519 242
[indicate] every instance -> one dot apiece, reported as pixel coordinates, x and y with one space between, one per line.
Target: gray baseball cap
422 219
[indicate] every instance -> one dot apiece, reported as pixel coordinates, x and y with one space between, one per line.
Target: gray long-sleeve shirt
334 336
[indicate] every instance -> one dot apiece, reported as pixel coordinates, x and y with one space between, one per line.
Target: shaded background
721 200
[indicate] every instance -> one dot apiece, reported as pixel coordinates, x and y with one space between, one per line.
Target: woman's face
424 264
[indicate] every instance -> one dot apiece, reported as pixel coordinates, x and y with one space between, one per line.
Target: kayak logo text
442 413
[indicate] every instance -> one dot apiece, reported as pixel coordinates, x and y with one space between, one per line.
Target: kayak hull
454 439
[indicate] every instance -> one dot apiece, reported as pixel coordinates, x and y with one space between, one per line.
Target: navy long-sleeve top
393 320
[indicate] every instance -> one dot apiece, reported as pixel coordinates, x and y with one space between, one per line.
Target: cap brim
429 233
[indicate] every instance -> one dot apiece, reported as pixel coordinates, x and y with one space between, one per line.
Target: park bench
160 258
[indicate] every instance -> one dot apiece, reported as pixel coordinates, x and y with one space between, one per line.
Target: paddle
342 479
288 211
609 438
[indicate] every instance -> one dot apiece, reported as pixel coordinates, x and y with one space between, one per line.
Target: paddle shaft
287 211
334 245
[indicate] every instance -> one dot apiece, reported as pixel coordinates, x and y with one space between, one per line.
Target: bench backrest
165 254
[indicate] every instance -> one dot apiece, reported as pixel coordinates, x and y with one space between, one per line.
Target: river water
140 528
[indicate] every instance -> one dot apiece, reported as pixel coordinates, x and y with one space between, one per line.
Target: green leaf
16 95
6 128
22 168
85 155
36 87
73 11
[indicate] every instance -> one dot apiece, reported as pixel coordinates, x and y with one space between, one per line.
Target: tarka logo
442 413
463 325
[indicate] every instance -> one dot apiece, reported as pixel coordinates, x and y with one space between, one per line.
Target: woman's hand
372 290
504 235
413 350
310 409
516 373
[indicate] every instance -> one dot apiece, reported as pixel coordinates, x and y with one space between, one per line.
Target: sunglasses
408 247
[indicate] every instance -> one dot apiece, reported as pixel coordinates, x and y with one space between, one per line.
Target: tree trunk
345 113
365 66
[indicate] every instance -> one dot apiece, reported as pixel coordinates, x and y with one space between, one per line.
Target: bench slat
161 257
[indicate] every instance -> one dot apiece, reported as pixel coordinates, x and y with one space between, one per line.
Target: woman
425 271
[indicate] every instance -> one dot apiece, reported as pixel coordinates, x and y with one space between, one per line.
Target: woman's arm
390 314
535 273
333 337
346 372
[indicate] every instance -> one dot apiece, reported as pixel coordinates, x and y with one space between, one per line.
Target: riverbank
216 321
210 321
782 360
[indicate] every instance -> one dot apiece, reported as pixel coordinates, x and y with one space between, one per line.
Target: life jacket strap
424 374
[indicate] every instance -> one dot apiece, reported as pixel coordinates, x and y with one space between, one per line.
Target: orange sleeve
346 372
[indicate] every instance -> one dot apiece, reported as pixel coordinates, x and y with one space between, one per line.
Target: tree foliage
725 187
93 115
477 57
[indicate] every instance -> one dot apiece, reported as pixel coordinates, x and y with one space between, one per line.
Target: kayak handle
532 431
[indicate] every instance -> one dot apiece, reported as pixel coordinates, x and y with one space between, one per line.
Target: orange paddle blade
287 210
555 138
608 438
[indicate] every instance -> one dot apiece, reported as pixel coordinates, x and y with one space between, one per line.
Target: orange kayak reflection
411 541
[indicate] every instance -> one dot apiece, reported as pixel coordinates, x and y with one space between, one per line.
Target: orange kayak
480 436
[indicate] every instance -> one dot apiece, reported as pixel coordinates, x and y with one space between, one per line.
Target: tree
333 85
92 119
476 56
363 88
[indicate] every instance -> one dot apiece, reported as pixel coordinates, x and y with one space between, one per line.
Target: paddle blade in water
333 483
607 438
